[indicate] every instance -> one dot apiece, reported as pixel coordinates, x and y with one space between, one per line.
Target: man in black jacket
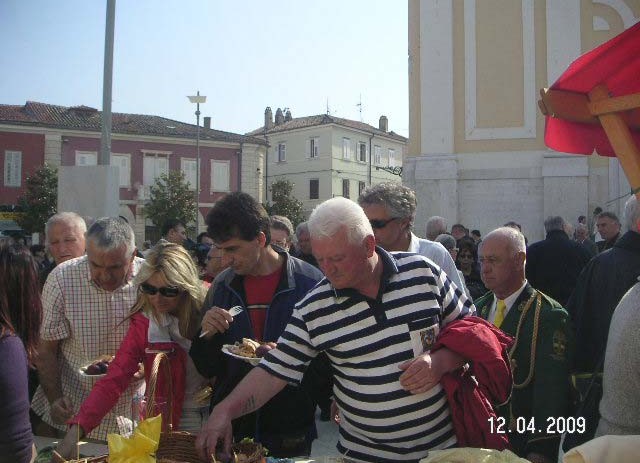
601 285
554 264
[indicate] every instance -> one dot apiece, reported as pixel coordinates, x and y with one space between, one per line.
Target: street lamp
197 99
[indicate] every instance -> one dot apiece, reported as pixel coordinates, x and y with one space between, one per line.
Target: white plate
252 360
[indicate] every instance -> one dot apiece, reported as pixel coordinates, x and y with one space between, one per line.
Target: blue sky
243 55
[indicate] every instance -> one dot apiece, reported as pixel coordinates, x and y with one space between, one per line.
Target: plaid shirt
87 321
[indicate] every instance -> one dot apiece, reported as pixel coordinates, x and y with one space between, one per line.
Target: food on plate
99 366
246 348
262 350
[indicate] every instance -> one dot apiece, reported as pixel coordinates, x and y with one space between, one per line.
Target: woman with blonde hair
165 317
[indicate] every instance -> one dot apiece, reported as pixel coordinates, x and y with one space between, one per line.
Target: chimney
268 118
207 122
287 116
279 117
384 124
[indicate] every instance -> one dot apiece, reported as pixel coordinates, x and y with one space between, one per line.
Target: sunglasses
166 291
379 223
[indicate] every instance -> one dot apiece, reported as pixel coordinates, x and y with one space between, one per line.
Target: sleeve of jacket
206 353
551 381
107 391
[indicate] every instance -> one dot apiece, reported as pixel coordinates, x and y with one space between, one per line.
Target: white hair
514 238
69 218
335 214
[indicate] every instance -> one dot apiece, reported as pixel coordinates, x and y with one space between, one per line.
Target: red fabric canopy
616 64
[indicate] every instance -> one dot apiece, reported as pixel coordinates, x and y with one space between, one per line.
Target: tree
171 198
284 203
40 200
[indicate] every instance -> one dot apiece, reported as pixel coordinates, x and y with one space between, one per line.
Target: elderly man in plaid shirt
85 301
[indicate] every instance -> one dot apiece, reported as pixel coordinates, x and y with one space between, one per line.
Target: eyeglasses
166 291
379 223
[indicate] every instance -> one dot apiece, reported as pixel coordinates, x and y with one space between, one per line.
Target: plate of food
248 350
98 367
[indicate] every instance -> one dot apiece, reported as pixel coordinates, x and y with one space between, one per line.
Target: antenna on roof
328 112
359 105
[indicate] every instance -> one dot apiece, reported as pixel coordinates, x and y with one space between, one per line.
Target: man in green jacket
535 416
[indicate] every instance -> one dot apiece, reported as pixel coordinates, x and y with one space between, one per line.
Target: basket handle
161 360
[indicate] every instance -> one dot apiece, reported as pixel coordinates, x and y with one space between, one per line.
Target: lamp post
197 99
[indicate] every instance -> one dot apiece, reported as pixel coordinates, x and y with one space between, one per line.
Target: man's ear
262 239
370 245
521 257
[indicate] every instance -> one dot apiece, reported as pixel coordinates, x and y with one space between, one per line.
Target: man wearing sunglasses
85 301
266 281
391 210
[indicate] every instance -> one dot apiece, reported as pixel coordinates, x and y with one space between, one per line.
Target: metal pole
197 163
105 142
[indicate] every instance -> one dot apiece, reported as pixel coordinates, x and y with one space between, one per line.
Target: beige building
476 151
326 156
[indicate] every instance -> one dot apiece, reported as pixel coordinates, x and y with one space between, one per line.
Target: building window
392 158
188 168
282 152
152 168
12 168
314 188
220 175
362 152
377 155
312 147
123 163
361 187
345 187
86 158
346 148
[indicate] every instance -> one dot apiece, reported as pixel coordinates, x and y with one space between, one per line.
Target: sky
244 55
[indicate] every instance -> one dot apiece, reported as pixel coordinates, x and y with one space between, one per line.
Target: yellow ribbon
140 447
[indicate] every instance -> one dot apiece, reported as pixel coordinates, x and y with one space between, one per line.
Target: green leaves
40 200
284 203
171 198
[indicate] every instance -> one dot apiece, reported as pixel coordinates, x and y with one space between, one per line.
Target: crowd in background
565 287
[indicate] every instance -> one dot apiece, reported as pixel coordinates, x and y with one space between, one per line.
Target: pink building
143 147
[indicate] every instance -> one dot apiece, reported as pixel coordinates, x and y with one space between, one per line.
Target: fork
233 311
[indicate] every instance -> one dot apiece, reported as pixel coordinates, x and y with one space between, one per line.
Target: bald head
502 257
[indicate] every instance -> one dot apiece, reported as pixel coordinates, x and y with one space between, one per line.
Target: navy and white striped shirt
366 340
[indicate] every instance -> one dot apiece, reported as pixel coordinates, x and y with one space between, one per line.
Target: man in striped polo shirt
375 315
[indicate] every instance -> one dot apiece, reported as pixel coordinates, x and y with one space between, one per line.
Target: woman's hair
467 244
177 267
20 304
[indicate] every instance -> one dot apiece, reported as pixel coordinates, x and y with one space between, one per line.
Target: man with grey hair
85 301
391 209
64 239
540 356
281 231
436 225
376 315
554 264
303 244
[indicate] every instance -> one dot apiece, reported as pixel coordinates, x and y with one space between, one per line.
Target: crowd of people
409 344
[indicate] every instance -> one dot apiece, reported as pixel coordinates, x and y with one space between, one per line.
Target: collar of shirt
414 246
508 302
165 328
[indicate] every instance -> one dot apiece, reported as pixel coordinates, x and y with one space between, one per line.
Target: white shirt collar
166 329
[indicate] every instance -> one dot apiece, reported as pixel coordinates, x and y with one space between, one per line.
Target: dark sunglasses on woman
166 291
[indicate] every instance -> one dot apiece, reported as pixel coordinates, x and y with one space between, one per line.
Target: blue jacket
294 403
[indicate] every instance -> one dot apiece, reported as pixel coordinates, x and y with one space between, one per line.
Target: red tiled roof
89 119
310 121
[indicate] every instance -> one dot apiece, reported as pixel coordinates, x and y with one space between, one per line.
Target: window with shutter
392 158
361 187
188 168
346 148
123 163
345 187
362 152
282 152
12 168
313 147
220 175
377 155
